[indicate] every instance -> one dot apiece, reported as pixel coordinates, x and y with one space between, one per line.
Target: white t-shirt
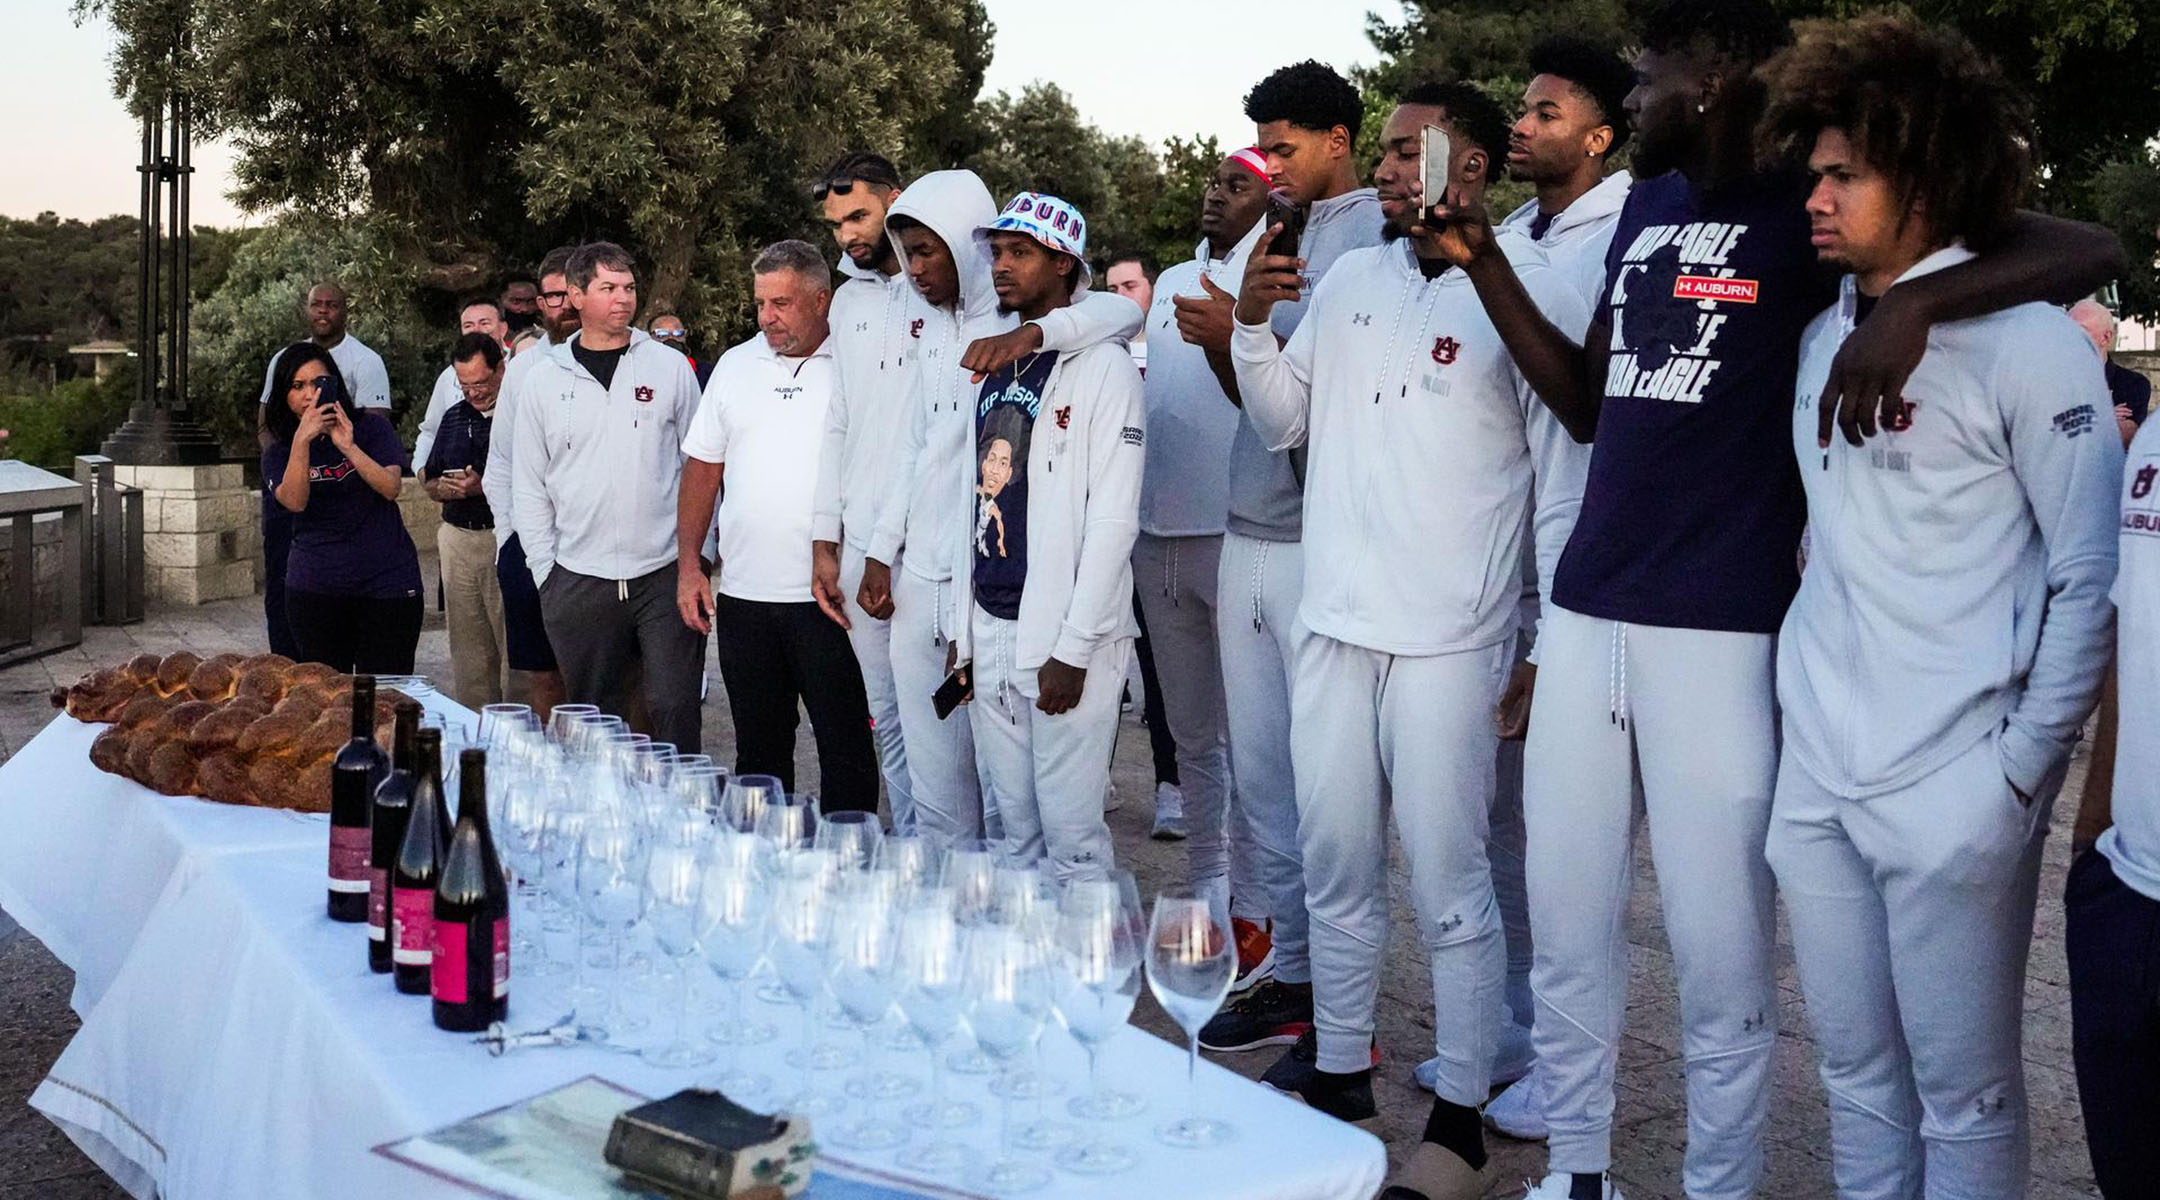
448 391
367 381
763 416
2132 844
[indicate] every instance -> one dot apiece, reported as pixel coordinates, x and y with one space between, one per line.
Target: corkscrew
500 1039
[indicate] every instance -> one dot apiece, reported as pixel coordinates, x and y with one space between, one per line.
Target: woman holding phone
352 584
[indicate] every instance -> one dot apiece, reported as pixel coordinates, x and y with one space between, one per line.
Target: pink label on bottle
446 978
378 905
349 846
502 957
414 910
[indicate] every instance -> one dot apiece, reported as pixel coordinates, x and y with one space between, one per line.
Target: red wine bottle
471 979
359 766
418 866
386 831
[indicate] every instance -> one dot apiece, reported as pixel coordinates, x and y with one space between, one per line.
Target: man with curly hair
1657 653
1931 683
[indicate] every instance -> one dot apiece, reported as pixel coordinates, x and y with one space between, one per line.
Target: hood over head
952 204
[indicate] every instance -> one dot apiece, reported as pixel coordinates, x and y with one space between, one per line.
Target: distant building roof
102 346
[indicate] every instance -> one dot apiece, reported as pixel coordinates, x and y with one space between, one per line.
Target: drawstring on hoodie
622 589
1259 569
1387 360
1616 683
937 617
1170 574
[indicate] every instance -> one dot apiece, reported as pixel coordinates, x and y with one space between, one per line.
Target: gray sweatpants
1176 580
872 642
600 627
1258 587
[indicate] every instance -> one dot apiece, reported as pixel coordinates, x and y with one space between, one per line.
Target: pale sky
1145 67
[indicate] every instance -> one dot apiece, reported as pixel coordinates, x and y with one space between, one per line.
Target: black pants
357 634
603 629
1160 743
2113 943
277 526
771 655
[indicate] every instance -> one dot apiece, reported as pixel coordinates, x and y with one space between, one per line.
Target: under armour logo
1988 1106
1361 318
1753 1023
2141 484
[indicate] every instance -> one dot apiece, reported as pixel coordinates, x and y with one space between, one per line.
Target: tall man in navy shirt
1656 659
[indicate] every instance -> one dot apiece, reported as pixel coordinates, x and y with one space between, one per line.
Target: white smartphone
1433 152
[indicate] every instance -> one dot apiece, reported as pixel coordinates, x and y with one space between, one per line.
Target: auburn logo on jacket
1444 350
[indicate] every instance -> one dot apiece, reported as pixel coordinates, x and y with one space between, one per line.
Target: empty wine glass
610 882
912 858
853 837
563 722
673 869
786 824
527 798
698 789
1096 980
862 957
801 932
932 997
1024 897
1190 960
734 906
969 873
744 799
497 720
1008 1000
564 832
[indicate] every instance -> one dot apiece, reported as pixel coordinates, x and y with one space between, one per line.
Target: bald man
2132 392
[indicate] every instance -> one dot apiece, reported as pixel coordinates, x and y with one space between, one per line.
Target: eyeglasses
554 299
671 335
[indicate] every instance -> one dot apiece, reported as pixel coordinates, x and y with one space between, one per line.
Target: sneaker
1169 814
1272 1014
1343 1097
1511 1061
1555 1187
1111 801
1255 952
1519 1112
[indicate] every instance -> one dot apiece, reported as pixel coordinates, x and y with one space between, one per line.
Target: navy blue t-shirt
1692 512
1004 428
349 540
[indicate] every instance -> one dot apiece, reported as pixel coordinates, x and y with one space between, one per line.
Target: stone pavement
36 1161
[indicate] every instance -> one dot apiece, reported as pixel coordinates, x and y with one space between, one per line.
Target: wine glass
1096 981
1023 897
610 882
911 857
673 867
744 798
1008 1000
564 831
498 720
801 932
862 958
527 798
931 996
970 872
563 722
1190 960
734 906
853 837
786 824
698 789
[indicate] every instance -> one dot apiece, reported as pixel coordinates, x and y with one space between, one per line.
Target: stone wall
45 561
202 532
2145 362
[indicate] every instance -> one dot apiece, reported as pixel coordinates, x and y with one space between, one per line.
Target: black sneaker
1343 1097
1270 1013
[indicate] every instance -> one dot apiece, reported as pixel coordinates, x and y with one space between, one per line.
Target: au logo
915 328
1445 349
644 394
1064 417
2141 484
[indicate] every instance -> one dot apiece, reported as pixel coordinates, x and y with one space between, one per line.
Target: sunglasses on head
844 186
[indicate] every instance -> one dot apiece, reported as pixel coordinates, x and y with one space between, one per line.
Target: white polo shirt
367 381
763 417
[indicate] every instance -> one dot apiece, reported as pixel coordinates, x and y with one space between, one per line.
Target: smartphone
457 473
1433 152
951 694
1284 211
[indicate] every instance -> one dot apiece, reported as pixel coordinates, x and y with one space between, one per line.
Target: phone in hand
1284 210
457 473
951 694
1434 150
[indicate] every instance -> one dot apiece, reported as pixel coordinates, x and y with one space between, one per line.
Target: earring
1702 108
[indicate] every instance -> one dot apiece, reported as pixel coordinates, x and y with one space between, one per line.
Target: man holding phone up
1427 456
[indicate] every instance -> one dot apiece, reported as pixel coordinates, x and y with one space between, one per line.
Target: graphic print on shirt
2141 508
1005 416
1671 300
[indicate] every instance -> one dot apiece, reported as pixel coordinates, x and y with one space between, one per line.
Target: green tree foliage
49 424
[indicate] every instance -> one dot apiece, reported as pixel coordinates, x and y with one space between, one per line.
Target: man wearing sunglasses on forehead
874 328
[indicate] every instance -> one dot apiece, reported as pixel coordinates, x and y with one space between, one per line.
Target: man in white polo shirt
761 428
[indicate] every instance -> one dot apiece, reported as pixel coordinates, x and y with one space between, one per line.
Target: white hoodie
1958 570
502 448
1425 449
927 493
1576 241
1190 423
867 417
593 482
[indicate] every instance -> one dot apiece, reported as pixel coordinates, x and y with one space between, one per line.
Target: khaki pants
472 598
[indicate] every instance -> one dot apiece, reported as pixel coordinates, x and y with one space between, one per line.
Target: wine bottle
471 972
386 831
359 766
418 866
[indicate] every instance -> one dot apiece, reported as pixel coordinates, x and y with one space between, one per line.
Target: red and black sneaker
1271 1014
1255 952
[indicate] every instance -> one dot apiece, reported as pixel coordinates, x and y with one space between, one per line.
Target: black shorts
524 633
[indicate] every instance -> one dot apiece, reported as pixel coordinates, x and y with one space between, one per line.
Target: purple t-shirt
349 540
1692 512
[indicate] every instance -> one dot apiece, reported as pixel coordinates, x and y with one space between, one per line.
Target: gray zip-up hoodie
928 493
1267 501
594 479
871 314
1958 571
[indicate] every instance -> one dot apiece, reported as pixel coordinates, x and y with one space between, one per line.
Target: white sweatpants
1045 774
1258 588
1176 580
1373 732
1691 713
1505 847
872 642
942 776
1911 916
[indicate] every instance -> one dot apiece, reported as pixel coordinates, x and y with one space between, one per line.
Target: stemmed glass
1190 960
610 882
970 871
564 832
863 955
528 796
801 933
673 870
563 722
931 997
853 837
734 904
698 789
744 798
1008 998
1097 979
497 720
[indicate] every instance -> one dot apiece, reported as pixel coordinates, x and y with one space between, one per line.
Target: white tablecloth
236 1044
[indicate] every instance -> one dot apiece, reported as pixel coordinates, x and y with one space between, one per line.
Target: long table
234 1043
